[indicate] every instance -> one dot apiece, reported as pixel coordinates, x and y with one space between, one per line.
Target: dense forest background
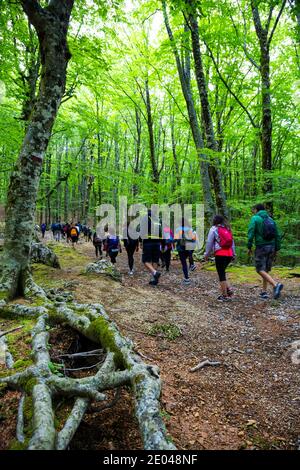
177 101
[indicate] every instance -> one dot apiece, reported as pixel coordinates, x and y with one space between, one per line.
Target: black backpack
268 229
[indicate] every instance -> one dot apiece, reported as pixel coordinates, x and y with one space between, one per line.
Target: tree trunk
266 127
51 24
155 174
193 120
206 115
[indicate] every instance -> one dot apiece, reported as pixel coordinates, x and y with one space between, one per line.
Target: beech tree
51 24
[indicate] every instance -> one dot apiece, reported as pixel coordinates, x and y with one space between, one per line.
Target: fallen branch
204 363
10 331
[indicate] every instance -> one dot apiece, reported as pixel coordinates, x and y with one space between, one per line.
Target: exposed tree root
42 385
15 281
204 363
5 356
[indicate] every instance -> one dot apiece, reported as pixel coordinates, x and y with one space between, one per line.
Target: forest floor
250 401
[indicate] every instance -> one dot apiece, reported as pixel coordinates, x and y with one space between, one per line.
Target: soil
250 401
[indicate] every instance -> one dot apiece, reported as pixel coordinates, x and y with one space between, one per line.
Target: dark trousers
130 252
191 259
113 255
166 258
221 264
98 250
183 255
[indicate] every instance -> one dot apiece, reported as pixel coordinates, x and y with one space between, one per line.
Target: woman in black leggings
221 243
131 246
184 236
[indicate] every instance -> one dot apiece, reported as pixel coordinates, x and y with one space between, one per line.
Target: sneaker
156 276
264 295
230 292
222 298
193 267
186 281
153 283
277 290
130 273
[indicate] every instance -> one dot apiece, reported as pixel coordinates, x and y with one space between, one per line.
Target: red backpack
225 237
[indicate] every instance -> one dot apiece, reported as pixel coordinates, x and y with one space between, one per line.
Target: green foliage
168 331
101 137
56 368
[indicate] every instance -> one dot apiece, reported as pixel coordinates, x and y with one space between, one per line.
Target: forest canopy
126 126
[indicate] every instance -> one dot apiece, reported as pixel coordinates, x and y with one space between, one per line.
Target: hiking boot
186 281
264 295
222 298
193 267
277 290
156 276
153 283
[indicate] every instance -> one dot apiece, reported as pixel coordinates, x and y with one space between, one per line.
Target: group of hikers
68 232
157 243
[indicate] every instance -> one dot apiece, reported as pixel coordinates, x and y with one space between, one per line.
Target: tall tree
51 24
184 76
265 35
191 17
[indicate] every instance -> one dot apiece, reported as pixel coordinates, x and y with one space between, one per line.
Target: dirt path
250 401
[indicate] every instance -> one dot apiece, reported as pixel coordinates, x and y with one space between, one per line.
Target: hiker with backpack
56 230
166 247
113 245
220 242
43 229
97 242
131 246
264 233
150 234
185 238
74 234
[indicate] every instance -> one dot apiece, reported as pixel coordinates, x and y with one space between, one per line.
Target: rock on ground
41 253
105 267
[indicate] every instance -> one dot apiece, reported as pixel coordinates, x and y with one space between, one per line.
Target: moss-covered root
122 366
17 281
144 379
30 289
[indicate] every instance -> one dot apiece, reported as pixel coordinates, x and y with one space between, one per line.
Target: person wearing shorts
265 249
224 253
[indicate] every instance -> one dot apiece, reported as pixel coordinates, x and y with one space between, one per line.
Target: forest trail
250 401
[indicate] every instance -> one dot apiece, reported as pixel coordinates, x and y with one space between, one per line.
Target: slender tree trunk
174 148
51 24
206 115
66 188
265 37
193 120
155 174
138 141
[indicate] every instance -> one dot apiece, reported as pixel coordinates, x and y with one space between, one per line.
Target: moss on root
16 445
101 332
